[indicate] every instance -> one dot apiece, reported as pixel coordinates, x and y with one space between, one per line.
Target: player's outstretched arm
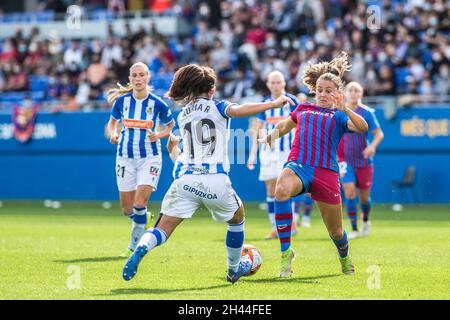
251 109
281 129
172 147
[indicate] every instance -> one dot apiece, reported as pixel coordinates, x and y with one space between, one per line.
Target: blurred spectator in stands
73 56
8 52
18 80
82 95
284 18
204 36
117 7
256 34
272 62
209 11
385 84
220 59
96 74
443 80
238 87
111 52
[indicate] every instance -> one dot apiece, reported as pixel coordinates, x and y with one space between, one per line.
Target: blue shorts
361 177
322 183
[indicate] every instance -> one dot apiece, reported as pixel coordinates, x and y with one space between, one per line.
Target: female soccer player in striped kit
272 159
201 169
312 165
139 160
355 155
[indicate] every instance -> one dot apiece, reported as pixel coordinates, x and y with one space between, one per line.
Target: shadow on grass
96 259
275 280
127 291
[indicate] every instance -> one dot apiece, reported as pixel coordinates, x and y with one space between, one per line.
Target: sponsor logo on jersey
154 171
199 193
138 124
275 120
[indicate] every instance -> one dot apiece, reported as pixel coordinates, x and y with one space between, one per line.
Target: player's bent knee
282 193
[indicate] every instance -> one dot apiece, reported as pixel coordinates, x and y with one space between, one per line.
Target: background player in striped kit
272 159
355 155
139 159
312 165
201 169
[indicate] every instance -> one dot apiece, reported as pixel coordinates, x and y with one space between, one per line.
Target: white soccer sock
138 226
234 243
152 238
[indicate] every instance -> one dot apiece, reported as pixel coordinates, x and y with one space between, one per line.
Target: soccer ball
252 253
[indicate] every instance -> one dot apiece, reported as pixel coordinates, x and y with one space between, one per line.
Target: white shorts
189 192
271 165
132 173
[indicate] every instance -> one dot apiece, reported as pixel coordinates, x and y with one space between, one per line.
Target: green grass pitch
44 252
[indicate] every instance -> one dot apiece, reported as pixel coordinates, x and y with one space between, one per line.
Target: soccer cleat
306 222
244 269
365 229
272 235
131 266
353 234
126 254
286 263
347 265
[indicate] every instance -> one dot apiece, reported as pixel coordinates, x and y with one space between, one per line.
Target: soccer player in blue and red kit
355 155
312 165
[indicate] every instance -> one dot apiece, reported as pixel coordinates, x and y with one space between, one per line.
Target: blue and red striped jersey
353 144
317 136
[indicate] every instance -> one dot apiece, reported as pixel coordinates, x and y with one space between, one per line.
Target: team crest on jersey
149 110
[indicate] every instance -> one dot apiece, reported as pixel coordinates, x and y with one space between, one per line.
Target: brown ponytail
191 81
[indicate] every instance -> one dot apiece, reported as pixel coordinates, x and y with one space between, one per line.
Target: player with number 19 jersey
201 170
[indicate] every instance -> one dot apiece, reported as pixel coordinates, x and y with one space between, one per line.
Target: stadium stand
243 40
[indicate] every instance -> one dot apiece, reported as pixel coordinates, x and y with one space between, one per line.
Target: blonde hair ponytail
115 93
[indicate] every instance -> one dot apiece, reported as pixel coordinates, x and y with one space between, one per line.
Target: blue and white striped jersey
138 116
271 118
203 127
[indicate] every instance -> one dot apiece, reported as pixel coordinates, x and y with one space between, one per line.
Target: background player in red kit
355 155
312 164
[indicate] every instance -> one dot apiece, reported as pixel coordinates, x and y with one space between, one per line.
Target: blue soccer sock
283 218
365 208
271 212
152 238
138 227
234 243
342 245
352 213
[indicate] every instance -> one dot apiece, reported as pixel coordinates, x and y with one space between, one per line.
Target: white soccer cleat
365 229
353 234
306 222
